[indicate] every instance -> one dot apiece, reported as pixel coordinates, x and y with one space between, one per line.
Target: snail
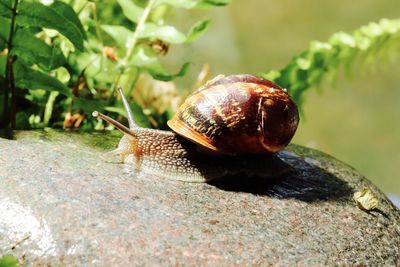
230 126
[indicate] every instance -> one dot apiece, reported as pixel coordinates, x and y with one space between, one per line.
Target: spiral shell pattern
238 114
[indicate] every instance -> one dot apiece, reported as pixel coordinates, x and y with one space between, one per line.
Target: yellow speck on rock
365 199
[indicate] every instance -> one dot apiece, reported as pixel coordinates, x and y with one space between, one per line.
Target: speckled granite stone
61 204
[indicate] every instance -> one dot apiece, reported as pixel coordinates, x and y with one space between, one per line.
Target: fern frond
323 59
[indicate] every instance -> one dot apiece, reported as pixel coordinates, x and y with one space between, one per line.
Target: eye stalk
133 127
110 120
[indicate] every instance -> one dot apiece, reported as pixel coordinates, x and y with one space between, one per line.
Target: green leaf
146 58
139 117
88 105
119 110
34 14
6 8
303 63
323 59
3 44
212 3
197 30
97 67
63 75
28 78
4 29
130 10
189 4
48 111
165 33
163 76
37 96
120 34
8 261
342 38
68 12
35 51
273 75
3 60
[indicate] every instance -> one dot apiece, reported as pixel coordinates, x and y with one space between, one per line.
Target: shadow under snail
231 126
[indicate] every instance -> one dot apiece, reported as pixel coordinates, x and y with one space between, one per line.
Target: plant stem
98 32
131 45
49 107
10 117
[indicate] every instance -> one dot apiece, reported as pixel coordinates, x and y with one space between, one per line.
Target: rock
61 204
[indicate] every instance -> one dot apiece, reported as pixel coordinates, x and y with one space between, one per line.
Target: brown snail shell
238 114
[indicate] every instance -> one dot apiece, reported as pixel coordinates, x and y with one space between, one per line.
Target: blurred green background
356 120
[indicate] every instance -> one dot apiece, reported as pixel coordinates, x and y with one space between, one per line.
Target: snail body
232 125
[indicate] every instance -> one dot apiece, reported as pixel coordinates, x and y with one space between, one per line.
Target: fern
322 60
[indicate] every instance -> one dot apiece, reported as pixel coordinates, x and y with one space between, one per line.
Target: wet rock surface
62 204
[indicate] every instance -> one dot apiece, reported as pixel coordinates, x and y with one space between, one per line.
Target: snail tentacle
129 113
118 125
